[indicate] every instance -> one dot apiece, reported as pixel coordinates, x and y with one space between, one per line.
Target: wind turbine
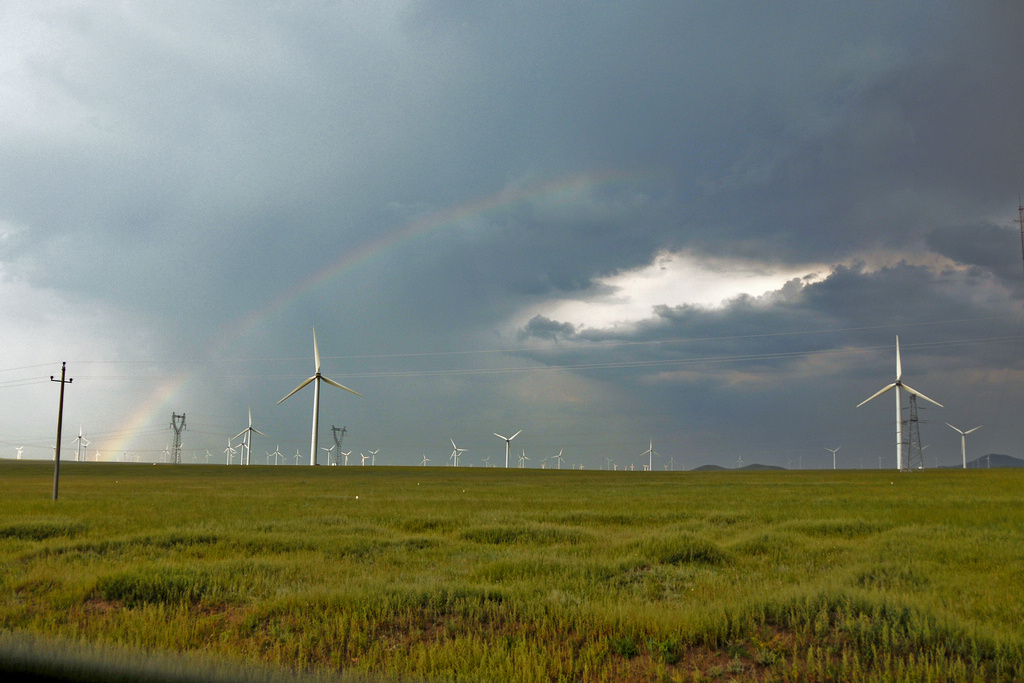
297 456
20 449
508 442
373 457
833 452
346 454
276 454
208 456
328 451
363 461
425 460
650 453
247 441
82 441
897 385
523 459
317 377
456 453
963 441
229 453
559 459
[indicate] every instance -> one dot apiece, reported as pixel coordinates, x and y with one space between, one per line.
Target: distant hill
991 460
718 468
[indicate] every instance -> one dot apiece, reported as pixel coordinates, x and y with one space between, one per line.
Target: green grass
514 575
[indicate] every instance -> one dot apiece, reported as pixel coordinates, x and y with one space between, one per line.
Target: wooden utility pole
60 419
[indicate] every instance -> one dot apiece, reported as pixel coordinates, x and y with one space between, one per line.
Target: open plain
512 575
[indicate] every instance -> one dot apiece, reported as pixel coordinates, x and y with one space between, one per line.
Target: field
511 575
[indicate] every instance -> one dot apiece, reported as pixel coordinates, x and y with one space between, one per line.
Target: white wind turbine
229 453
276 454
456 453
328 451
297 456
19 449
523 459
247 441
208 454
363 460
425 460
833 452
316 378
508 442
963 441
650 453
897 385
346 454
373 457
82 441
559 459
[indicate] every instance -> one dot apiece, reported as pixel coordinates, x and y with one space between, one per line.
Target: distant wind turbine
523 460
963 441
650 453
559 459
19 449
508 442
229 453
833 452
328 451
82 441
276 454
456 453
425 460
297 456
363 457
897 385
247 441
373 457
316 379
346 454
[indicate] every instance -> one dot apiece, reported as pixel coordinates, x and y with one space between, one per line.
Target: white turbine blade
335 384
952 427
260 433
453 444
971 430
500 436
296 389
515 435
240 433
316 351
899 369
877 394
915 392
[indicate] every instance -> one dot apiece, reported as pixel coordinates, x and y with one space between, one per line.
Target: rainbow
564 187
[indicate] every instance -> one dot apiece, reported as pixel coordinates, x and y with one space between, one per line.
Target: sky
697 225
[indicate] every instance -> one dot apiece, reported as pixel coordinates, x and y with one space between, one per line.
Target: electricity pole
60 420
177 427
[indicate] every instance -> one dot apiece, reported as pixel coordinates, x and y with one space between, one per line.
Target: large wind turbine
963 441
82 441
316 397
508 442
833 452
247 441
899 415
650 453
456 453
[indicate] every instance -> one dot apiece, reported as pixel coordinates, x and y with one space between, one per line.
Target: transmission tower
337 440
914 458
178 427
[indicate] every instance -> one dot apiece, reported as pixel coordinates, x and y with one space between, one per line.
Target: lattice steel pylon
914 454
178 427
337 440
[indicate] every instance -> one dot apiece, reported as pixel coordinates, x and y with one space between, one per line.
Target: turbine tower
508 442
316 379
650 453
963 440
897 385
82 441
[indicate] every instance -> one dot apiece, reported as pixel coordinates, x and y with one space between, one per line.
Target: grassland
516 575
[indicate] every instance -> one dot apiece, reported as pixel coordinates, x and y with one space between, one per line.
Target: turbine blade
515 435
952 427
915 392
240 433
260 433
899 369
971 430
877 394
335 384
500 436
296 389
316 351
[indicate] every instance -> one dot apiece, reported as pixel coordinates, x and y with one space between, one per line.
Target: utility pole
60 420
177 427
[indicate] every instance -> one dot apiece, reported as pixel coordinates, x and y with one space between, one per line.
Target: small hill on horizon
752 467
995 460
